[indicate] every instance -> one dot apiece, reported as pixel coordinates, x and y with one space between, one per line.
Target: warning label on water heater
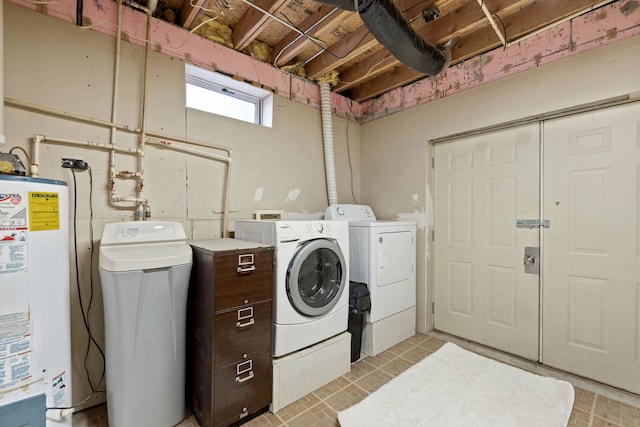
13 232
44 211
15 350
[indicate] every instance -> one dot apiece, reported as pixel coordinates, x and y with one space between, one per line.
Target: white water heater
35 332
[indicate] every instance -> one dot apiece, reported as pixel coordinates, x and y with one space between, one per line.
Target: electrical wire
373 67
354 48
77 271
504 27
326 49
320 43
323 49
85 315
184 42
23 150
222 4
91 339
91 281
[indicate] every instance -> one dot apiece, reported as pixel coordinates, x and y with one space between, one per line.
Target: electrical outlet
74 164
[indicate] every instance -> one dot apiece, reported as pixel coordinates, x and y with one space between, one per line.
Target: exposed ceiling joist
321 21
326 39
251 24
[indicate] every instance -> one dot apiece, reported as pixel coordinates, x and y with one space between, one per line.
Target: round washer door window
316 277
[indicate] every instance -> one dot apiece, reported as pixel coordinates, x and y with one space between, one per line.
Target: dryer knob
340 210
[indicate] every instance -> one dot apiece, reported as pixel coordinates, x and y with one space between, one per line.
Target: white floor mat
455 387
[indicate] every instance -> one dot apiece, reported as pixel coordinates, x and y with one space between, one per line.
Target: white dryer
383 256
311 276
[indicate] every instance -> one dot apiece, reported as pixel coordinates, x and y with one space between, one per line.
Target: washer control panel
350 213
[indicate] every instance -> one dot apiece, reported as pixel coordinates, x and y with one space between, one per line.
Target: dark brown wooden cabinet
229 330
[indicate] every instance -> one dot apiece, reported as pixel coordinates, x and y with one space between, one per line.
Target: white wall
56 65
396 159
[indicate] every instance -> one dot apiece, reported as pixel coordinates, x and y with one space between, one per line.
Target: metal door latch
532 223
531 260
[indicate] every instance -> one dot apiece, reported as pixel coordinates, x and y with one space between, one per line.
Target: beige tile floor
319 409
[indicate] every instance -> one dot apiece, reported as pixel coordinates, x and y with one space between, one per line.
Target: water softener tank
144 270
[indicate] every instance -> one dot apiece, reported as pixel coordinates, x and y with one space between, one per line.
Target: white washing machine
311 298
383 256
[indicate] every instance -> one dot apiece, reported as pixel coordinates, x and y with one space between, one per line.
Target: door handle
531 260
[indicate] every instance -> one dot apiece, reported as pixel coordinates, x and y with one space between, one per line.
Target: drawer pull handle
243 367
245 263
244 325
245 259
247 378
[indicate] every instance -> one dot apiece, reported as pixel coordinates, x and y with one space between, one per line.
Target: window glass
219 94
211 101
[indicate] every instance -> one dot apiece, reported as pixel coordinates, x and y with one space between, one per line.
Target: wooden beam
459 23
538 15
189 12
253 22
356 43
494 25
455 24
398 76
340 52
294 48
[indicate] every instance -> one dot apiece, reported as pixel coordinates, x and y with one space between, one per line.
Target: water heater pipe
143 207
114 107
327 138
162 141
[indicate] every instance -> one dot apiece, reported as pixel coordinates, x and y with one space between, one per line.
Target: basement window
219 94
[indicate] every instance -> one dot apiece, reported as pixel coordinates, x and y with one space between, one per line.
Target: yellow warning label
44 211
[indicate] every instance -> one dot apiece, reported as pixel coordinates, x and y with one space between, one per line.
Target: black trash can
359 304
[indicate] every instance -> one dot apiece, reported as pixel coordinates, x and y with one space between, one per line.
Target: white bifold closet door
589 191
483 184
592 251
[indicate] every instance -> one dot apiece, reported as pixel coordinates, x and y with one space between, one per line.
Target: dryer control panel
350 213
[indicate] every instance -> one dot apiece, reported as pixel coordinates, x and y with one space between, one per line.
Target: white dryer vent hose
327 138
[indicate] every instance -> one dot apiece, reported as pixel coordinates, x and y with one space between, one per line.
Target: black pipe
79 7
385 21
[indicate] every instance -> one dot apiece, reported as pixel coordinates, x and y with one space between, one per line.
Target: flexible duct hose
383 19
327 139
388 26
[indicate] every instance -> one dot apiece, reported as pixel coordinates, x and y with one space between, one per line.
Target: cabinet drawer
243 277
242 388
244 330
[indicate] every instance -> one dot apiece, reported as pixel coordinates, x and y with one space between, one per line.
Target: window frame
221 84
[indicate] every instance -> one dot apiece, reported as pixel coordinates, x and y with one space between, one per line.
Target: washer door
316 277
